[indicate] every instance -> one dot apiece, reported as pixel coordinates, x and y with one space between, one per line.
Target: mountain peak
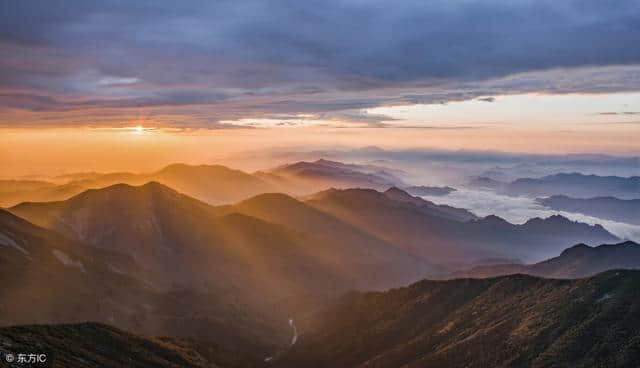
628 243
495 220
121 188
553 219
395 191
326 162
279 198
578 249
183 166
351 193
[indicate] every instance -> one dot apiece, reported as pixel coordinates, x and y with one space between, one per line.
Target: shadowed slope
48 278
345 245
577 184
181 241
512 321
307 177
38 265
623 210
432 233
576 262
97 345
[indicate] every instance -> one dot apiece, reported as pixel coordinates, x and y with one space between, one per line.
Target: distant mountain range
576 184
15 191
511 321
323 174
445 234
622 210
576 262
210 183
214 184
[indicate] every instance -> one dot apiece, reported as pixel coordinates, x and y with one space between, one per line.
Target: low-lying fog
519 209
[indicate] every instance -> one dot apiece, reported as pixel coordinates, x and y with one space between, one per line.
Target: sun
139 129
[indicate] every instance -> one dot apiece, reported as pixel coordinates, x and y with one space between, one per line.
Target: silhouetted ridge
578 261
494 220
515 320
268 198
576 250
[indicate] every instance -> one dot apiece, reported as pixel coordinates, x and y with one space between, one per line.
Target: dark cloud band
332 58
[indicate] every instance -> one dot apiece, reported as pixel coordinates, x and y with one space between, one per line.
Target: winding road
294 339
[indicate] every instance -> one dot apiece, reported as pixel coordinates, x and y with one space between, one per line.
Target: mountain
623 210
576 262
429 191
98 345
210 183
579 185
443 234
16 191
511 321
322 174
214 184
441 210
342 244
178 241
9 186
49 278
249 266
37 264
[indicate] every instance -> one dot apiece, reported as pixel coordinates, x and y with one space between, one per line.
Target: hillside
511 321
308 177
355 247
179 241
445 234
623 210
579 185
576 262
97 345
48 278
36 265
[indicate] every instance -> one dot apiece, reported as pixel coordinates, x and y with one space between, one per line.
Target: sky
203 79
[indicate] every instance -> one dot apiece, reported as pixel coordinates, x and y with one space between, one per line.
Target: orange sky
209 80
53 151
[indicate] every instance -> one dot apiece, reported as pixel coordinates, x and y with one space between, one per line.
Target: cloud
254 59
487 99
620 113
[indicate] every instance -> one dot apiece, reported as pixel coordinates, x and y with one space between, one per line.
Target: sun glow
139 129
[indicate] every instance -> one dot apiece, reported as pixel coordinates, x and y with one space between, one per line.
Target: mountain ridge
612 208
579 185
577 261
421 230
509 321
